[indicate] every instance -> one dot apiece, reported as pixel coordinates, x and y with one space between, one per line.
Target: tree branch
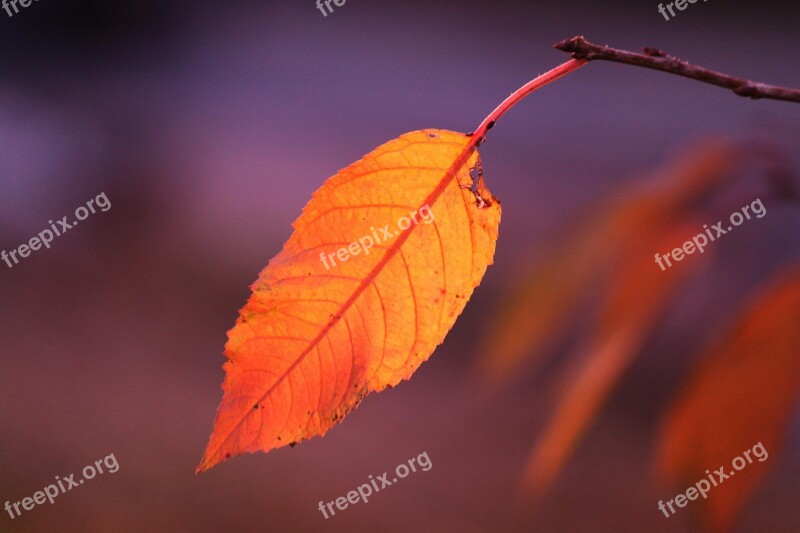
654 59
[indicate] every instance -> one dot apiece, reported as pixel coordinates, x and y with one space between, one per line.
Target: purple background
209 125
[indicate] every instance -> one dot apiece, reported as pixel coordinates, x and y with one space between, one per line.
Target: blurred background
208 125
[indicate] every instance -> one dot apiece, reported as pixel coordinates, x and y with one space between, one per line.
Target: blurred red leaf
741 393
540 302
635 300
614 245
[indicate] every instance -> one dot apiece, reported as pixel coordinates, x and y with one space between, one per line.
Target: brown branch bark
654 59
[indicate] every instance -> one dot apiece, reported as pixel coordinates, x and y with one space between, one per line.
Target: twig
583 52
537 83
654 59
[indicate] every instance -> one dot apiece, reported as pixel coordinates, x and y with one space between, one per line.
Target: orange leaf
539 305
538 308
315 337
636 298
616 242
743 393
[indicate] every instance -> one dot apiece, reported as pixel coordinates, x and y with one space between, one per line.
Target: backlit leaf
317 335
